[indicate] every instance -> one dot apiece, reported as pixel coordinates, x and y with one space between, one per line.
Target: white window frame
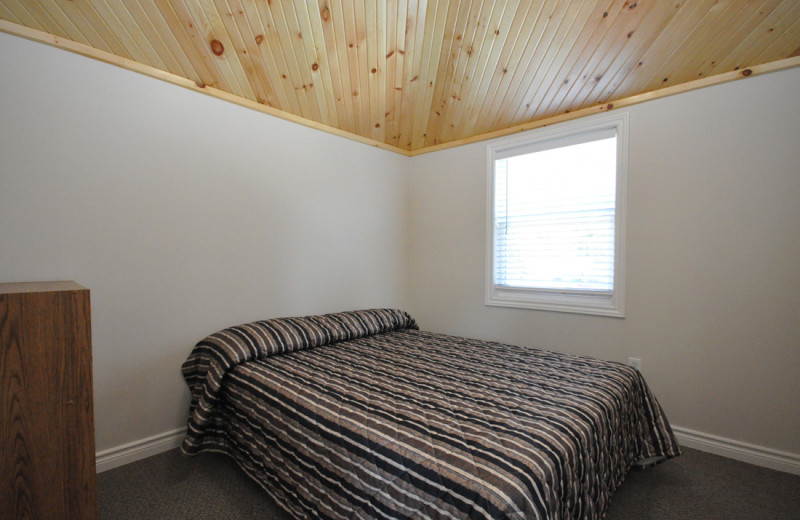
612 304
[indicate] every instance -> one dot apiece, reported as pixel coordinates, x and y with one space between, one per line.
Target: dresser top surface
28 287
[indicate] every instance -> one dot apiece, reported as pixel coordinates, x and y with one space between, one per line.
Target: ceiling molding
417 76
709 81
112 59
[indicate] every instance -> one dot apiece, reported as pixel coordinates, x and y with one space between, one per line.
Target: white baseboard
750 453
137 450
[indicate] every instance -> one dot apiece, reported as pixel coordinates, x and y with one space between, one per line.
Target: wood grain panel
418 74
46 428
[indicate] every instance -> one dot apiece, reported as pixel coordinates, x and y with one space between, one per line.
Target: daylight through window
556 220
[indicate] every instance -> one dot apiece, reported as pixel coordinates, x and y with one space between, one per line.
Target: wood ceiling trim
404 67
125 63
718 79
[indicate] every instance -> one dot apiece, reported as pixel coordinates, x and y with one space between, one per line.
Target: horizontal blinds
555 218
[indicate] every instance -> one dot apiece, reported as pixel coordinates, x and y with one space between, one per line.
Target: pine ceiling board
38 16
193 41
308 52
417 74
69 29
783 46
333 26
148 18
435 22
481 64
461 46
487 67
14 12
463 94
470 61
660 66
547 27
556 55
622 50
380 76
245 48
404 41
205 41
467 88
122 25
511 65
588 29
757 16
725 18
353 40
455 50
223 44
650 64
286 40
141 39
415 33
251 32
736 22
388 64
631 33
481 60
186 47
427 53
593 62
556 31
773 25
273 55
7 14
365 32
395 32
519 64
324 72
209 18
363 67
386 39
94 28
360 65
243 54
67 25
232 51
375 15
771 36
674 70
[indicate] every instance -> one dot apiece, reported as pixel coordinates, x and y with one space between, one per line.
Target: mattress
362 415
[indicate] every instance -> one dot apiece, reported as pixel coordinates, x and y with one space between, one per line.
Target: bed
362 415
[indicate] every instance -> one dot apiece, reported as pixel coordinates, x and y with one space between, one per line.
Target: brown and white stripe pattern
212 357
401 423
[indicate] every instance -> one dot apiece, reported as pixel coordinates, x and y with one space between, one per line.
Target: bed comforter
362 415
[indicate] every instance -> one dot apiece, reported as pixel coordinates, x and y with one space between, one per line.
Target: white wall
183 214
713 259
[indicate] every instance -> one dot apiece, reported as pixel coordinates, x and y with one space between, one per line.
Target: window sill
598 305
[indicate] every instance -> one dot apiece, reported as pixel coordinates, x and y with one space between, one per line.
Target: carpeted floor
696 485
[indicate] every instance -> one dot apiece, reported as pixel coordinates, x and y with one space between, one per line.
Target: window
556 218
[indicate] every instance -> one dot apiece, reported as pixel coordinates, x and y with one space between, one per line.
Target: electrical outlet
635 363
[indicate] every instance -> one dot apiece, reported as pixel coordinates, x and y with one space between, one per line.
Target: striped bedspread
361 415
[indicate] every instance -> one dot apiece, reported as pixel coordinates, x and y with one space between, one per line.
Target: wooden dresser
47 458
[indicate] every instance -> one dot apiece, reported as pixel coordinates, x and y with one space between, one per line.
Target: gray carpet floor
696 485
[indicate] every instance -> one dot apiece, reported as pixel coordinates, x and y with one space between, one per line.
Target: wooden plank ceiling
415 75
